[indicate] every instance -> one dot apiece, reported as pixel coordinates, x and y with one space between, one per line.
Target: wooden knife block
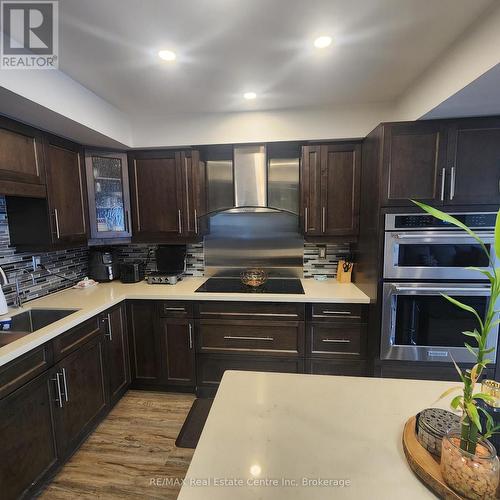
343 276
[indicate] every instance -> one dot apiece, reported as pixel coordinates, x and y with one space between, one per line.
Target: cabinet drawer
266 337
344 367
20 371
328 339
176 309
251 310
339 312
75 338
210 368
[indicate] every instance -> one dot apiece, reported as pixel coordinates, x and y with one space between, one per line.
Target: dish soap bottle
3 303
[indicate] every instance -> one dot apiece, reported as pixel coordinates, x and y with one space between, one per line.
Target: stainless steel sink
30 321
34 319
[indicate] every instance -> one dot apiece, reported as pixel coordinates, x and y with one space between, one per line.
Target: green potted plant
469 462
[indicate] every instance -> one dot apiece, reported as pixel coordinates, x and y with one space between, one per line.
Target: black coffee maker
103 264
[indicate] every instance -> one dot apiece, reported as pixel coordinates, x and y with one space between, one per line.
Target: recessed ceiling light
167 55
322 42
249 95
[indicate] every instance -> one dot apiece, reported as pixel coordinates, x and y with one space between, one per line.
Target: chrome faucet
18 301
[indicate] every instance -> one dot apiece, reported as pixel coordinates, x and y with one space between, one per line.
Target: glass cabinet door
108 189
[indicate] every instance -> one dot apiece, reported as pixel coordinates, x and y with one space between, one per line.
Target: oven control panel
426 221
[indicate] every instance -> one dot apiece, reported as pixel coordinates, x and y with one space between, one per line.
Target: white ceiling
227 47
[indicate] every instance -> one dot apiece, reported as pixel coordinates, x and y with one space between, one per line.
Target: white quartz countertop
92 301
289 428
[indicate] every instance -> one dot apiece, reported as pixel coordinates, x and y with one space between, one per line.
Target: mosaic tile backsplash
313 265
71 264
195 265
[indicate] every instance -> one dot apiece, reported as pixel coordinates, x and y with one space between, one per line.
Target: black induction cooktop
234 285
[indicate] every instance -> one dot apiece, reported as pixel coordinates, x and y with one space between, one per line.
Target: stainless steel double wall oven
423 259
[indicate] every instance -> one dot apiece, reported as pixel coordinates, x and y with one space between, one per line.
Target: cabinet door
414 163
156 189
144 342
474 162
193 192
27 442
80 380
340 184
117 356
21 158
108 192
66 191
311 190
178 351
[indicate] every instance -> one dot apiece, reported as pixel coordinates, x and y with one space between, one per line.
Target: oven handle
401 236
439 289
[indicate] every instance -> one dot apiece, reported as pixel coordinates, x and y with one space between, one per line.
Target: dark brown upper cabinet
414 160
167 201
66 193
340 183
330 184
108 195
311 190
473 164
60 220
21 160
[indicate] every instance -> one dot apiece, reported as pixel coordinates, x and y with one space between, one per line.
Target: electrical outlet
322 252
36 261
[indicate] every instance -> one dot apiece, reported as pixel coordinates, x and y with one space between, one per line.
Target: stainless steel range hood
253 182
250 176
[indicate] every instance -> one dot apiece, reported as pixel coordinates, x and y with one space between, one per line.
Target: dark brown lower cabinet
80 393
347 367
178 348
27 437
117 354
144 343
211 367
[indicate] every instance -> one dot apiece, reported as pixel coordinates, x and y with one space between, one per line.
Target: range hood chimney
250 176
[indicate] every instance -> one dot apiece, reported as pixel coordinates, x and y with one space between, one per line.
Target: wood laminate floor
132 446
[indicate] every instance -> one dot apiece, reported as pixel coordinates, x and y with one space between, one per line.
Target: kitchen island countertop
94 300
309 437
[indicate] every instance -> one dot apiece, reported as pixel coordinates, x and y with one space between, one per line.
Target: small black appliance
103 265
132 272
170 265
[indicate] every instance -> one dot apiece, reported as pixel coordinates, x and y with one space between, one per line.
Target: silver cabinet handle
443 180
56 218
306 225
65 384
190 336
348 313
109 332
180 221
195 221
323 219
281 315
452 183
336 341
59 399
231 337
127 222
174 309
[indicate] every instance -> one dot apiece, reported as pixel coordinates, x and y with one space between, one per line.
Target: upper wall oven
419 247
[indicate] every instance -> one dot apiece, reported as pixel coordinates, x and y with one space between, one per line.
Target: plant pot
472 476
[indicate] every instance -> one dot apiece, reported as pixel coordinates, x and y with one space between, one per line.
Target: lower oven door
418 324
